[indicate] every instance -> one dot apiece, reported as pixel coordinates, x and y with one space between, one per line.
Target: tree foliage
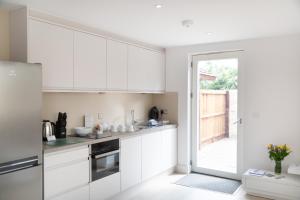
226 77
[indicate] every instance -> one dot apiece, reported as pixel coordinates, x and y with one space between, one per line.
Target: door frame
239 54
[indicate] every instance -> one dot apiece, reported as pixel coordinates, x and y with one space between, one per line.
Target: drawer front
63 157
66 178
105 188
82 193
273 188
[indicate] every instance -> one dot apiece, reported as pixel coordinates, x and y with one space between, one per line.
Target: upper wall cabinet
116 65
75 57
53 47
89 62
146 70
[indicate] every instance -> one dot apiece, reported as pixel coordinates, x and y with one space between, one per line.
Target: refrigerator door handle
18 165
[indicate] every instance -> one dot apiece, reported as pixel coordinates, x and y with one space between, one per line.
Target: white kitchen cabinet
67 156
82 193
169 148
116 65
131 162
62 179
65 171
105 188
74 58
151 155
89 62
146 71
52 46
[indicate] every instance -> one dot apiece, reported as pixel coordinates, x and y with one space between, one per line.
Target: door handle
239 121
106 154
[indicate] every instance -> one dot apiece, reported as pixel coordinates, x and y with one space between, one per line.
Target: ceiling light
209 33
187 23
158 6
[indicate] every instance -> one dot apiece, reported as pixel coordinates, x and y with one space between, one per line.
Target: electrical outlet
99 116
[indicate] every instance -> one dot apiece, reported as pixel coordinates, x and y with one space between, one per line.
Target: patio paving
220 155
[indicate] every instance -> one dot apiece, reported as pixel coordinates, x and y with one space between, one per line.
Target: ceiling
214 20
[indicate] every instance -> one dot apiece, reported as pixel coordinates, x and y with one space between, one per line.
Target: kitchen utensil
82 131
114 128
121 128
130 128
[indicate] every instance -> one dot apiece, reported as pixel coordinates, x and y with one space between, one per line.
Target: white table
282 187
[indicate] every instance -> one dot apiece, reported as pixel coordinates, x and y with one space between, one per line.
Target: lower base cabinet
66 174
105 188
131 162
82 193
151 155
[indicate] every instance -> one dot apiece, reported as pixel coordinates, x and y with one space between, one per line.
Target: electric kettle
48 129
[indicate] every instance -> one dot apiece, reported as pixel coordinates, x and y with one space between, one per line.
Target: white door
146 71
131 162
89 62
52 46
116 65
216 114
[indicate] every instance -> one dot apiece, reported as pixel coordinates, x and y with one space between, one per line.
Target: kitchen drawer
63 179
67 156
82 193
105 188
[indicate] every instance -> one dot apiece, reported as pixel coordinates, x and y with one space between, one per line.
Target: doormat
207 182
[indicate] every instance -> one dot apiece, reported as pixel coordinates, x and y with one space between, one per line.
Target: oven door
105 164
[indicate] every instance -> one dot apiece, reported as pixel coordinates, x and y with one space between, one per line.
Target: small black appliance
154 113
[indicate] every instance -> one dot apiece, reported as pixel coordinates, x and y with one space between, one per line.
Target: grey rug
210 183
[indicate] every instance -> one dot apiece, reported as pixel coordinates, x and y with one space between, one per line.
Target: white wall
272 95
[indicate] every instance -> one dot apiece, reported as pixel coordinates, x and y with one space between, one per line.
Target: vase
277 167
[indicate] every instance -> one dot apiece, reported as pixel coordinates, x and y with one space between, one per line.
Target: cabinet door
169 151
105 188
131 163
65 178
64 157
82 193
116 65
146 70
151 155
52 46
89 62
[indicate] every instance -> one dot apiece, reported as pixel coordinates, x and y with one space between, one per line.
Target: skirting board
183 169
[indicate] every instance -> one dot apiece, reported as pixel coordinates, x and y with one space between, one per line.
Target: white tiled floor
163 188
220 155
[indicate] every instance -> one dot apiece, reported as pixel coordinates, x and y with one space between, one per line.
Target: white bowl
83 131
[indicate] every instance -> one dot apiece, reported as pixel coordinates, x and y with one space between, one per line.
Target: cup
130 128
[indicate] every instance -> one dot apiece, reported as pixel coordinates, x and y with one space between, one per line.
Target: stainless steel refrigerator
20 131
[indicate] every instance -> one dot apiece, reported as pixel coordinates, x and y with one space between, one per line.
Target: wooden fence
214 115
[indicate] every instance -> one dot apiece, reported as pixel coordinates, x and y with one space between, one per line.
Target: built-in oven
105 159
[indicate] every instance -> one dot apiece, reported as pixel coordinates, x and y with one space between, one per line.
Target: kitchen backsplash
169 103
113 108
